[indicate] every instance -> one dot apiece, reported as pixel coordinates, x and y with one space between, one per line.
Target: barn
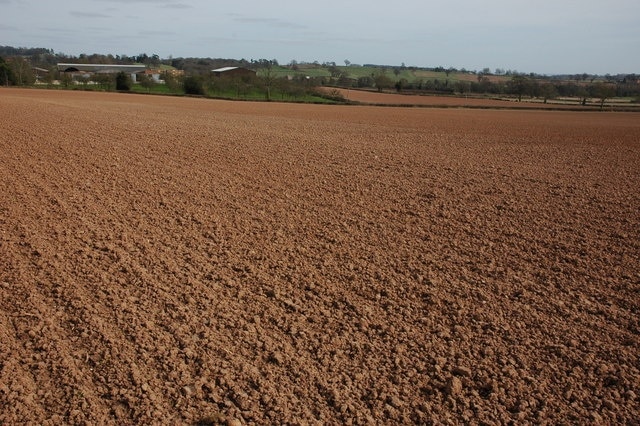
101 69
233 72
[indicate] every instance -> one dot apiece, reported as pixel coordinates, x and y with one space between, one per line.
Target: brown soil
182 261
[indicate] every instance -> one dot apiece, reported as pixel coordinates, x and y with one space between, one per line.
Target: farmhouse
84 69
233 72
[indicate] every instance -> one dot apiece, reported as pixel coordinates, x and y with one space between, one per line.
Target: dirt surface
188 261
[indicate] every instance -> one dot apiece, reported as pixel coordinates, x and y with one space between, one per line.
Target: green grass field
250 94
157 89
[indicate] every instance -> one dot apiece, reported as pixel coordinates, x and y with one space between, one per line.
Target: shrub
193 86
6 74
333 95
104 81
123 82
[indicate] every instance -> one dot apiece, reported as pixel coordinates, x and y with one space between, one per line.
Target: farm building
84 69
233 72
40 73
172 72
154 74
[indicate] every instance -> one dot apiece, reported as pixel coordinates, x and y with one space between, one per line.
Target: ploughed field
368 97
189 261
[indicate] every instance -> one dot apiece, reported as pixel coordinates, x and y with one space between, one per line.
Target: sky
543 36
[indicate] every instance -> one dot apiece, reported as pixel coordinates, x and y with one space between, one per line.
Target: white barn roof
100 67
224 69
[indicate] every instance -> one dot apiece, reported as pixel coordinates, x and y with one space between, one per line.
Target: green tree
193 85
6 74
123 81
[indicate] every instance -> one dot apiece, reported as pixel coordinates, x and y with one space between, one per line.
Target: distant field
387 98
360 71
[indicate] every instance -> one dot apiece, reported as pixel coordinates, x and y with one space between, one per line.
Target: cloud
160 2
98 29
163 4
88 15
177 6
154 33
271 22
53 30
171 4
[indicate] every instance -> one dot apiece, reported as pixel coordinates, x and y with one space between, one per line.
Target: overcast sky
544 36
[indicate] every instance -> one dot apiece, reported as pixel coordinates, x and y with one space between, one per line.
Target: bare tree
602 91
382 82
147 82
22 71
520 85
269 77
548 91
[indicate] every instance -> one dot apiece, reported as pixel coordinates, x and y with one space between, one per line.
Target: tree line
518 85
23 66
512 84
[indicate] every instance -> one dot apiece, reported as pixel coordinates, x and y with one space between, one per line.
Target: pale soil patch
173 261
